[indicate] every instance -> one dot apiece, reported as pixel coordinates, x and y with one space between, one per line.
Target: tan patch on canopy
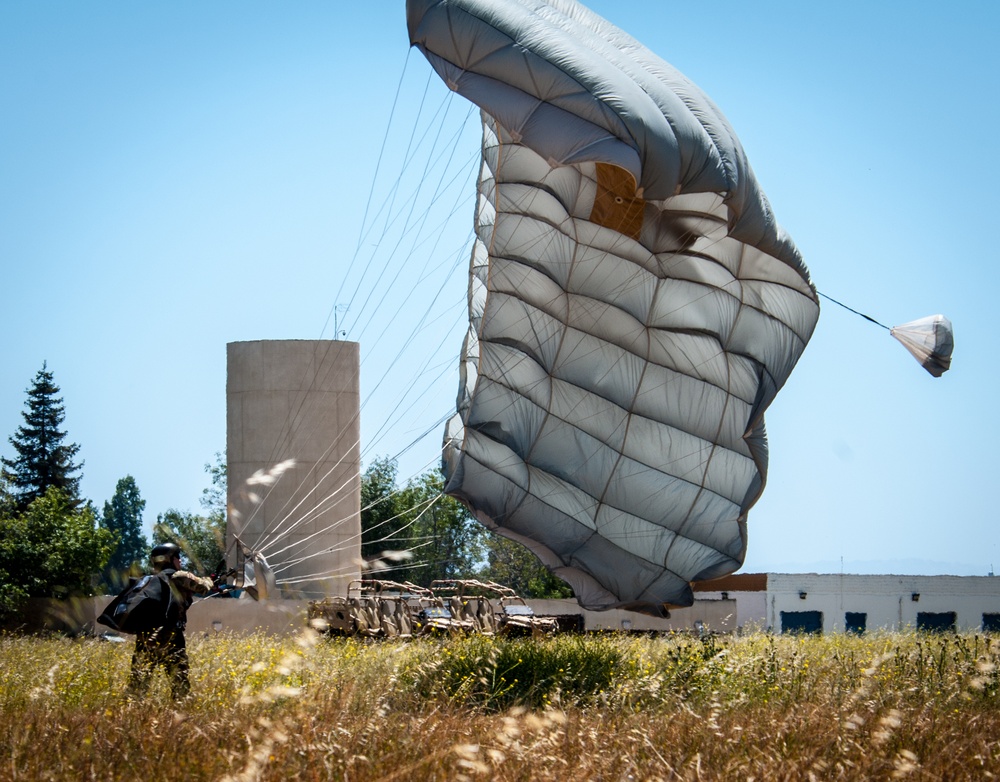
616 205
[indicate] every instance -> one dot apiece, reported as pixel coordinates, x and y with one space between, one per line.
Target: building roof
737 582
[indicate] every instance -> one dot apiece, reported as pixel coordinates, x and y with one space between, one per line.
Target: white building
831 603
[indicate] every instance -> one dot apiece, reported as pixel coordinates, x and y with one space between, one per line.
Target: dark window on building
930 622
991 623
802 622
856 622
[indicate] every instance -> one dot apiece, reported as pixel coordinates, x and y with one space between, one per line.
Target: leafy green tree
53 548
511 564
446 542
215 499
123 517
43 459
203 540
382 527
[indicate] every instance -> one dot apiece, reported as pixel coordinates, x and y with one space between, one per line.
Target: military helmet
163 554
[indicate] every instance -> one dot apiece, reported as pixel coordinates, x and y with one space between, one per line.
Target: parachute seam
700 377
566 560
627 414
500 144
514 44
709 288
687 517
526 356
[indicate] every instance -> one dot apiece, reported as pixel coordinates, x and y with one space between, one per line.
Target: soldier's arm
191 582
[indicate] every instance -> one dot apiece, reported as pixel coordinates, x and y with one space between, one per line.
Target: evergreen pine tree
123 516
43 460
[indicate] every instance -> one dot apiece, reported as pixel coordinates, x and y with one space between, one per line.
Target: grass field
566 708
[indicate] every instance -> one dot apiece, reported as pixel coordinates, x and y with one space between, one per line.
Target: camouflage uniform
165 646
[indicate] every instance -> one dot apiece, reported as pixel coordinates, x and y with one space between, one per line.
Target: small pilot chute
930 340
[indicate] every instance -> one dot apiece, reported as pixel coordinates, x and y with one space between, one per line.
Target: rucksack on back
142 606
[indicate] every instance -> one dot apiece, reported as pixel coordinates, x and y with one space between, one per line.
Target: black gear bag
144 605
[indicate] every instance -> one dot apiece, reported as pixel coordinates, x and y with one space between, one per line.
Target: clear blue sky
177 176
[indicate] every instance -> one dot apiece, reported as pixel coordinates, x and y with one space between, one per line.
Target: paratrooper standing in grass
165 646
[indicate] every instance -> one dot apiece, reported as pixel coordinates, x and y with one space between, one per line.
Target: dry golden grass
568 708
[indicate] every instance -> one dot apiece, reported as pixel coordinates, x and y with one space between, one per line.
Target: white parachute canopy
930 340
633 305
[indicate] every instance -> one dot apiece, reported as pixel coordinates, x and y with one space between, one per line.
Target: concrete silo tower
295 400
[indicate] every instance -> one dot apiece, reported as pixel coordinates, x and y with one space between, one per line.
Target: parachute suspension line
392 421
282 525
435 232
280 528
423 276
257 502
427 505
270 533
288 427
336 523
433 427
368 566
281 444
414 332
370 229
437 235
293 420
285 523
412 335
378 164
424 507
840 304
391 417
391 198
309 537
291 424
411 148
390 219
346 570
418 228
371 191
339 571
277 527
